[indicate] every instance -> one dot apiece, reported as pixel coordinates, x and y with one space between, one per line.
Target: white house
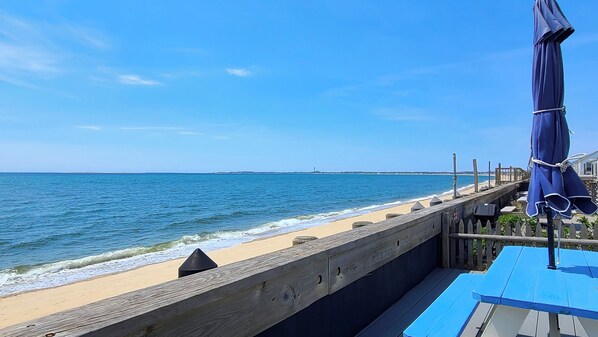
587 165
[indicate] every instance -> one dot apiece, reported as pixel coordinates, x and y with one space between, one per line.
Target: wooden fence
505 175
475 246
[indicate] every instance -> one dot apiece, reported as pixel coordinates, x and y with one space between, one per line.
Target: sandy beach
30 305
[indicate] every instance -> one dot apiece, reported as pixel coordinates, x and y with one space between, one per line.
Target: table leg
505 321
590 326
553 323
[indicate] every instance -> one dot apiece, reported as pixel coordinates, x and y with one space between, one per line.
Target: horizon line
248 172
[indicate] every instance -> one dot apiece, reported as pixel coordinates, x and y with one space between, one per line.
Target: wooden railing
505 175
257 295
475 246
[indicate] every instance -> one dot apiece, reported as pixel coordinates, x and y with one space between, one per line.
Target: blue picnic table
519 281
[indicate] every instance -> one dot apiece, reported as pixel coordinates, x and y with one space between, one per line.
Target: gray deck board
398 317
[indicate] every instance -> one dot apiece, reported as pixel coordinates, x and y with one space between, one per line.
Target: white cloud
239 72
132 79
89 127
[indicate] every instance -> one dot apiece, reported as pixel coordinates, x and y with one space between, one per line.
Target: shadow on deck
400 315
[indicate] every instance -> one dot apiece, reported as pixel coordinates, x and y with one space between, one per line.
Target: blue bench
450 312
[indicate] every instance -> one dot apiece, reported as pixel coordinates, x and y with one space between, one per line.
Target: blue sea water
61 228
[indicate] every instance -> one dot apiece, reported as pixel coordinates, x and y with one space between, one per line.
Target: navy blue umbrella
555 189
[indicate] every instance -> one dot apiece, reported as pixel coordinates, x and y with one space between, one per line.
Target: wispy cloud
152 128
387 80
89 127
132 79
181 74
404 114
174 130
191 133
17 82
32 49
239 72
86 36
390 79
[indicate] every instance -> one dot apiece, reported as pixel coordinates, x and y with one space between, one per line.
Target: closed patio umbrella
555 189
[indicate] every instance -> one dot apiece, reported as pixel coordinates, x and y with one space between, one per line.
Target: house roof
593 154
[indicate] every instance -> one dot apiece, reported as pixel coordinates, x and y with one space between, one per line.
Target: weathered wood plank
489 243
518 229
353 264
453 245
584 235
270 282
573 235
469 246
446 253
479 246
461 245
526 230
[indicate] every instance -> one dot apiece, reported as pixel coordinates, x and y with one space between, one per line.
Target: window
587 168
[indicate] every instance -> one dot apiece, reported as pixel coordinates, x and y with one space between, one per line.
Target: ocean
62 228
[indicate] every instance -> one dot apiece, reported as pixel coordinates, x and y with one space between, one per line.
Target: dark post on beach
454 176
475 175
550 233
488 174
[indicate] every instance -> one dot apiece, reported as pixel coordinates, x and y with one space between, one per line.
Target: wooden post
445 222
489 244
489 175
470 246
393 215
303 239
498 175
511 174
358 224
461 245
454 176
475 175
478 230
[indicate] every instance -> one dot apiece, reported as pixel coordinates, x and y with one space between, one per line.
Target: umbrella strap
564 109
562 165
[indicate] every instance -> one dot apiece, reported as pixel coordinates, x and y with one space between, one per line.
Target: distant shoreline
266 172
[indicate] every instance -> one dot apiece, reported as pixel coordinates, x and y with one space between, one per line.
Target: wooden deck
398 317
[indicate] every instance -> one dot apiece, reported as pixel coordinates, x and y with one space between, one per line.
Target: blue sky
204 86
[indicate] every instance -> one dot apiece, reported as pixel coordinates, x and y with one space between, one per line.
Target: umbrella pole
550 230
